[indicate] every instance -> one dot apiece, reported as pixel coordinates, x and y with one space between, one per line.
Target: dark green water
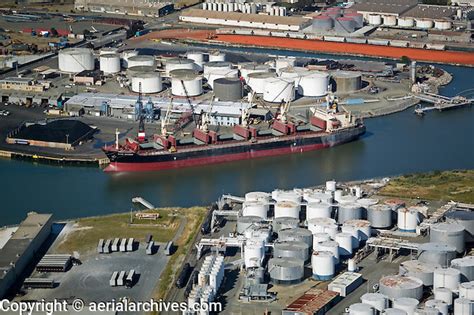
395 144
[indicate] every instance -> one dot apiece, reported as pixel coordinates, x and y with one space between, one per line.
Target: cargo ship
325 128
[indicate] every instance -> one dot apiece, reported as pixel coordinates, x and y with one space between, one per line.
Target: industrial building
384 7
22 84
136 7
22 248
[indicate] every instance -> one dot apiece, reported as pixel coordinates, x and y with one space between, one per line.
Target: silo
279 90
377 300
374 19
406 22
363 226
314 84
463 307
393 311
323 265
286 270
216 56
258 80
407 304
287 209
350 211
400 286
318 210
179 64
216 66
197 57
255 208
254 253
421 270
346 81
424 23
284 62
75 60
109 63
329 246
357 18
380 216
444 294
345 244
147 83
296 249
296 234
141 60
185 83
466 290
125 55
361 309
319 238
446 278
244 223
407 219
466 219
449 234
343 25
228 89
283 223
466 266
389 20
322 23
441 254
437 305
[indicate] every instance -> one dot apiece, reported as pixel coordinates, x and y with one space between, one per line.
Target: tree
405 59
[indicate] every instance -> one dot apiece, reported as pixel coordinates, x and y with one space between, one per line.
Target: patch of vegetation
455 185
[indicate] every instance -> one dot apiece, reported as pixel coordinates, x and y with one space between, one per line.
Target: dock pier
440 102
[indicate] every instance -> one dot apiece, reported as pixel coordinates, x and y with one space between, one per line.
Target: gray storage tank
418 269
400 286
283 223
322 23
435 253
296 249
286 270
466 266
244 223
449 234
344 25
297 234
228 89
346 81
466 219
349 211
380 216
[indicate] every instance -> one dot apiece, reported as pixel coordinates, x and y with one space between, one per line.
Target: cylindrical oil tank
407 304
321 225
108 50
463 306
329 246
318 210
354 232
255 208
390 20
197 57
125 55
254 252
380 216
377 300
279 90
283 223
424 23
408 219
244 223
448 233
345 244
346 81
446 278
435 253
228 89
141 60
443 25
217 56
282 195
374 19
393 311
466 219
109 63
397 286
296 234
287 209
443 294
257 196
357 18
320 237
286 270
405 22
363 226
394 203
227 73
293 73
258 80
323 265
218 66
296 249
314 84
75 60
179 64
284 62
250 67
466 290
367 202
147 83
322 23
131 71
314 196
466 266
438 305
361 309
185 83
427 311
418 269
344 25
350 211
331 185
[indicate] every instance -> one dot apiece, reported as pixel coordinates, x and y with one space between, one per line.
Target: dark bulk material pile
61 131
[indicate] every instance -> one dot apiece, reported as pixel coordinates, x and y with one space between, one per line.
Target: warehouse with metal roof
385 7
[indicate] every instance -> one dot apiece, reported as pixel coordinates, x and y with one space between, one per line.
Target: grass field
444 186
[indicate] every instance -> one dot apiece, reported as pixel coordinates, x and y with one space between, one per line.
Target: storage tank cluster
408 22
225 6
340 21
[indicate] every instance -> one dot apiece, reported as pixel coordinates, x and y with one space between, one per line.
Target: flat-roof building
384 7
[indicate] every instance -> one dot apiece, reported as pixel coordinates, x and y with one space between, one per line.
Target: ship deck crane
189 103
166 119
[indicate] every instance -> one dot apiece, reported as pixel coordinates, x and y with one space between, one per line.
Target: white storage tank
283 223
318 210
407 304
258 80
197 57
211 76
75 60
377 300
185 83
283 195
258 196
466 266
424 23
217 56
397 286
287 209
279 90
394 311
361 309
437 305
109 63
255 208
323 265
389 20
293 73
449 234
251 67
322 225
374 19
406 22
435 253
254 252
355 234
463 307
466 290
331 185
141 60
216 66
444 294
380 216
466 219
319 238
284 62
345 244
244 223
408 219
149 82
329 246
443 25
446 278
179 64
125 55
421 270
314 84
108 50
363 226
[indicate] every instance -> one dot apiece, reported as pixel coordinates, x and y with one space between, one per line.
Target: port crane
165 120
